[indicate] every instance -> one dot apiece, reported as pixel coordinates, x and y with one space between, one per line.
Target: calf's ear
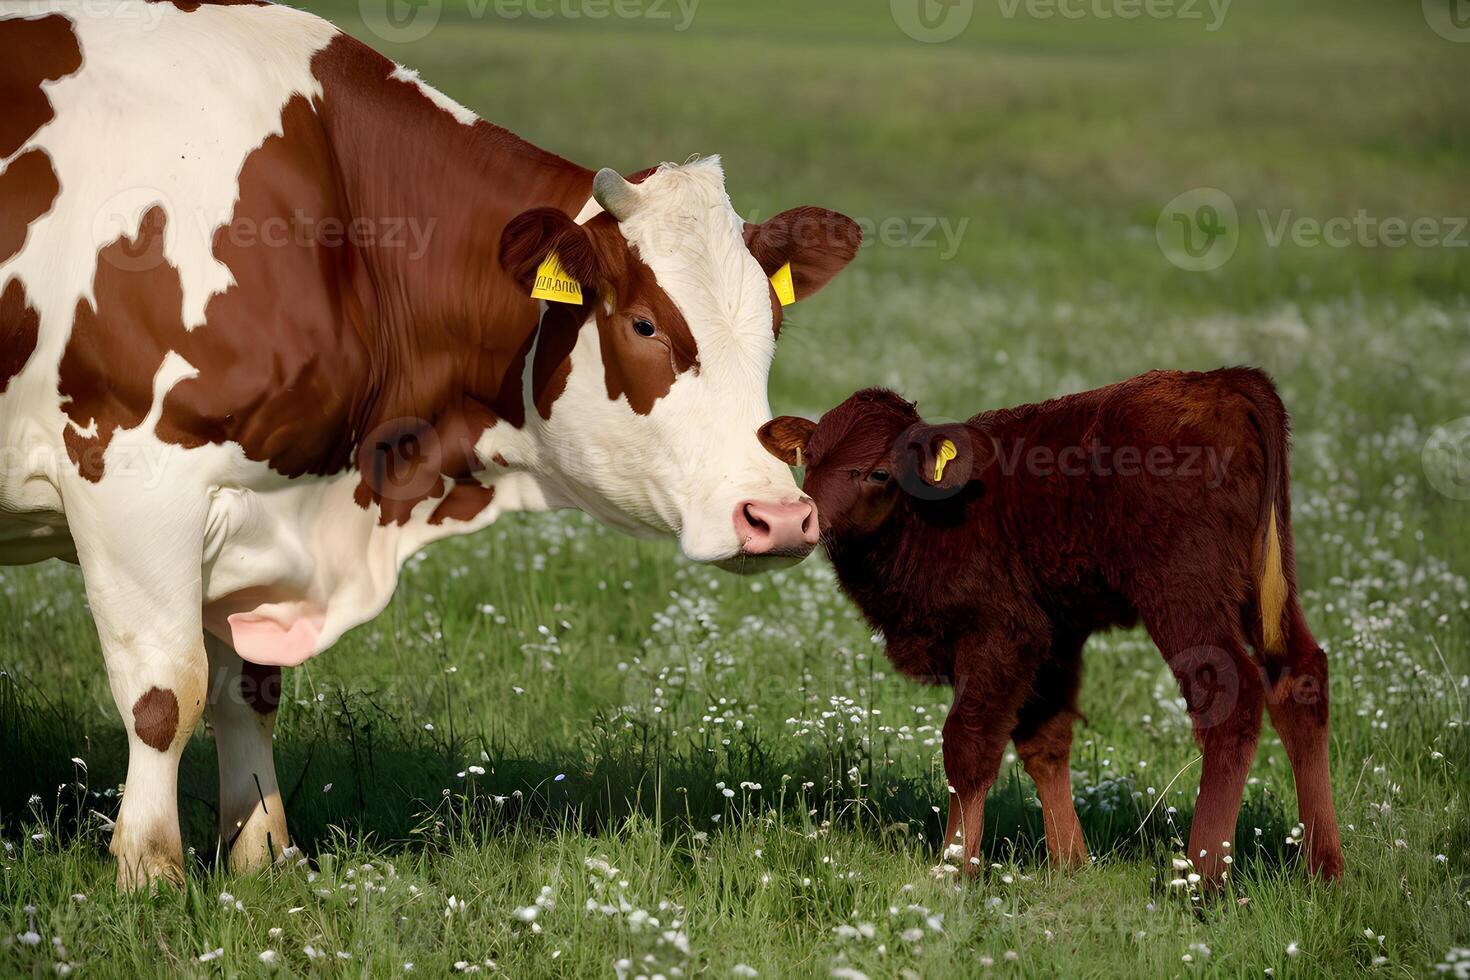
940 459
816 242
786 437
533 235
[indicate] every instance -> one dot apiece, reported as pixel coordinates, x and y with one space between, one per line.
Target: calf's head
648 394
873 454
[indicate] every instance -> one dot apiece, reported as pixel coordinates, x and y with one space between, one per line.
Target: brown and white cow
266 329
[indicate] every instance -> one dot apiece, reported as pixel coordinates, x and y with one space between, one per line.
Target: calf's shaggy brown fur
986 553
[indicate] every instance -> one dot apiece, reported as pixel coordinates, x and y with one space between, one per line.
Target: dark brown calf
987 552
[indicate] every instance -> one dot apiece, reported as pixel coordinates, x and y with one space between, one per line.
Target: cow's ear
944 458
816 242
786 437
533 235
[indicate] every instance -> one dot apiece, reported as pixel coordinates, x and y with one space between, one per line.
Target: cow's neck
448 329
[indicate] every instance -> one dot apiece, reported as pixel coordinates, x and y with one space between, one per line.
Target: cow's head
649 423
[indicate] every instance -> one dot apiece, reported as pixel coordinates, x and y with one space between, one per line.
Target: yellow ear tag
947 452
554 284
785 287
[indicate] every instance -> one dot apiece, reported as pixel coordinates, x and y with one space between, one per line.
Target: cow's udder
269 643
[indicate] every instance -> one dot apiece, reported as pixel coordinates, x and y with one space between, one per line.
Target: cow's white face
655 430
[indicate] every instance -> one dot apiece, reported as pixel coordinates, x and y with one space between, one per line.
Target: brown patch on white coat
156 718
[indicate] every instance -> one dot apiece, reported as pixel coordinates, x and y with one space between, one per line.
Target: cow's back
122 160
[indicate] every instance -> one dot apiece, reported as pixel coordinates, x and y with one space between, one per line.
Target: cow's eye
644 328
878 476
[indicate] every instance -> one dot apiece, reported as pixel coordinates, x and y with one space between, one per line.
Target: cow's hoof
259 840
260 851
145 874
146 864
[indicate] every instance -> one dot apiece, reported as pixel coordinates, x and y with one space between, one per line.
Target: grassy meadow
562 752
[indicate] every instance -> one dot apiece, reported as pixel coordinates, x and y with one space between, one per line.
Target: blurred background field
693 772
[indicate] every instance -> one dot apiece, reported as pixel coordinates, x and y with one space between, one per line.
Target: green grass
611 692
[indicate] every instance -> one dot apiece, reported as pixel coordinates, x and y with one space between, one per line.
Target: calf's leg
987 700
1223 692
1298 706
242 712
1046 752
971 767
1043 739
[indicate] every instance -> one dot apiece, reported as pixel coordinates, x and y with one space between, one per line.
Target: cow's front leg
159 689
242 712
158 673
141 562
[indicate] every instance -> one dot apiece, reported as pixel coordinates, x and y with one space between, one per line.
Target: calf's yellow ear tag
785 287
947 452
554 284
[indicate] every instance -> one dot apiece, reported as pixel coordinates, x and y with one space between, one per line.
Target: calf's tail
1280 627
1272 588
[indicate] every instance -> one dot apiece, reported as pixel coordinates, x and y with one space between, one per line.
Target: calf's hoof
952 864
1326 865
1071 858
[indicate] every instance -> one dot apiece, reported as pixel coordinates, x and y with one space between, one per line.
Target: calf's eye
878 476
644 328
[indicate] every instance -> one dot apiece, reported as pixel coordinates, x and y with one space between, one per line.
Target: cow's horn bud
617 197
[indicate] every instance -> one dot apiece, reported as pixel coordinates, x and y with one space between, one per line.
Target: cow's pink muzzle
776 529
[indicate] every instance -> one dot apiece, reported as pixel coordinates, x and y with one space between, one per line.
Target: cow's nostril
756 523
